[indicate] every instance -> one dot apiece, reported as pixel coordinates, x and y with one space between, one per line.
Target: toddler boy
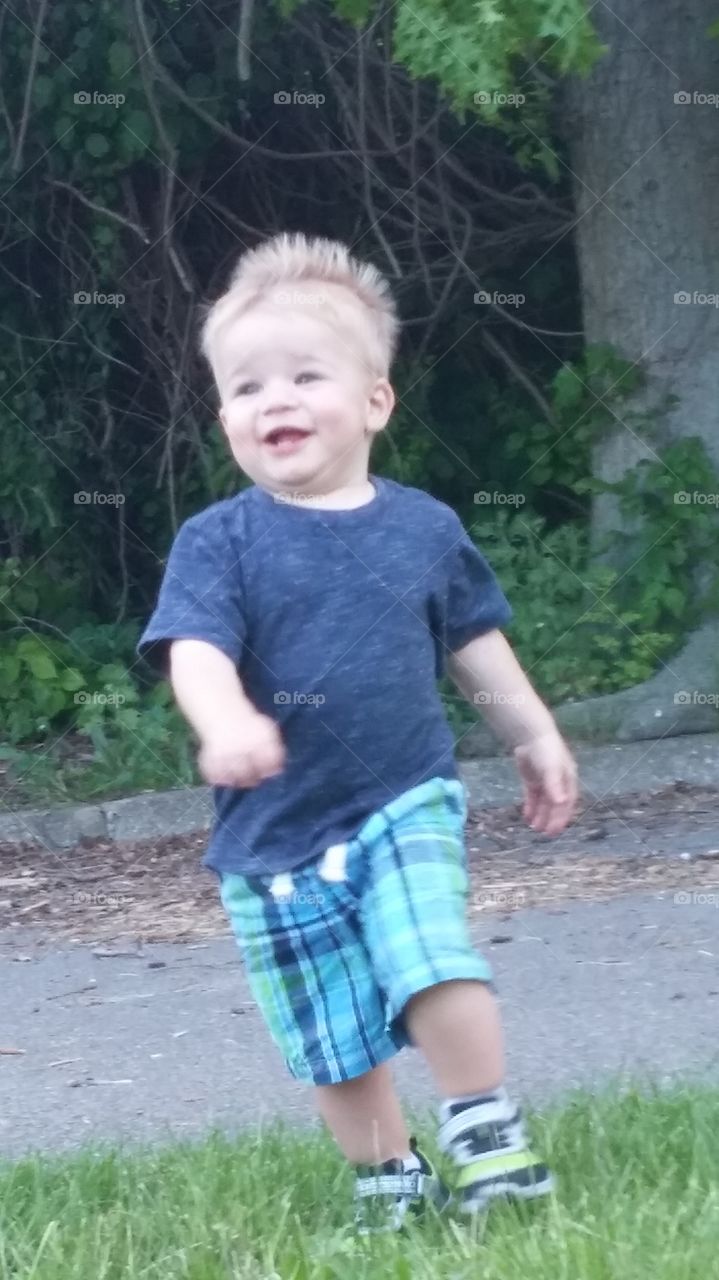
304 624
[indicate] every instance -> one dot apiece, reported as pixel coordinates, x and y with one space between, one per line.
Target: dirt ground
120 895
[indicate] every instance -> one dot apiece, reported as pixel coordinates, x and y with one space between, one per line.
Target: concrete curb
604 770
141 817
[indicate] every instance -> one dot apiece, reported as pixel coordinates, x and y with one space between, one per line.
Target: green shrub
568 635
37 686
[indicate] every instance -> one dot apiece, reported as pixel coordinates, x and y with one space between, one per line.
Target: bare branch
100 208
519 374
29 82
22 283
244 36
4 10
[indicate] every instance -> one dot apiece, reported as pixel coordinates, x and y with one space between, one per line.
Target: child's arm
488 674
206 685
240 746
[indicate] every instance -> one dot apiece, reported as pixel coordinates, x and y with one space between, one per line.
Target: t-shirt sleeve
200 597
475 602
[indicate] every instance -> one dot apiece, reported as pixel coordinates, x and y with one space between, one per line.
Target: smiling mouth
285 437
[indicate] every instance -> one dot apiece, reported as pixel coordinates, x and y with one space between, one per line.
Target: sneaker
387 1195
487 1142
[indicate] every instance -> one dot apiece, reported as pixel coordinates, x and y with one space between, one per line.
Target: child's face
291 369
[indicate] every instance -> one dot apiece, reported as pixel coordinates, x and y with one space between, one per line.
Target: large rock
681 698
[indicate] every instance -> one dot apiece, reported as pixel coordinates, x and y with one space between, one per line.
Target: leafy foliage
570 633
107 417
476 47
558 451
674 497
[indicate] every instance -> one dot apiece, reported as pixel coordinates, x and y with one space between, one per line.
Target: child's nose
280 394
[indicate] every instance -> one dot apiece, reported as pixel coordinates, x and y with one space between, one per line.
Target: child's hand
549 773
242 753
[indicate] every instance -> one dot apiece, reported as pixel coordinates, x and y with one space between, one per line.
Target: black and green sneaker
486 1140
388 1195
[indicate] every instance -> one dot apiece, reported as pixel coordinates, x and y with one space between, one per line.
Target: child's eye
246 388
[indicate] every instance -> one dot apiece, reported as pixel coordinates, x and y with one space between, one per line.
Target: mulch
120 894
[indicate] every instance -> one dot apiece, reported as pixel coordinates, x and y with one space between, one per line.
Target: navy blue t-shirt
339 623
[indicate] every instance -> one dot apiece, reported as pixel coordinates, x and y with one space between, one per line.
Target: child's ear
381 404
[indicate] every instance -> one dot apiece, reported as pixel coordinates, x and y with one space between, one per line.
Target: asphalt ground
168 1044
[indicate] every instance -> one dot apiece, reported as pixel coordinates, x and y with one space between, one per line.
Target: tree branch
99 208
244 35
29 82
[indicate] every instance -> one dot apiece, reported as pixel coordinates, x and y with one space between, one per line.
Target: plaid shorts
334 949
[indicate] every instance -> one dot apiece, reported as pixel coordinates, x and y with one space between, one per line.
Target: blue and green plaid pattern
335 949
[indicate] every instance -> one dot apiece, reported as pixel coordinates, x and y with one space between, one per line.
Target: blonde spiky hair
294 257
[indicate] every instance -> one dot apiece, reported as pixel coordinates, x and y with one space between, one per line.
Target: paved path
630 985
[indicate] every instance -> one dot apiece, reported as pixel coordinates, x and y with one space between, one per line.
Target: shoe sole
506 1191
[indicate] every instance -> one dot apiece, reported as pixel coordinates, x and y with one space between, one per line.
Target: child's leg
364 1117
457 1026
394 1179
437 992
311 974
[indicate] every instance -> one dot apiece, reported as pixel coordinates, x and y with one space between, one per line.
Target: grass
638 1197
156 756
